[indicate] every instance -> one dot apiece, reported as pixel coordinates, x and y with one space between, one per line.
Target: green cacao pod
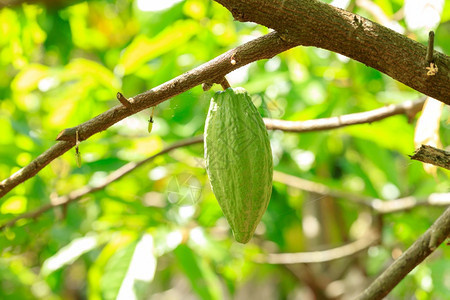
238 160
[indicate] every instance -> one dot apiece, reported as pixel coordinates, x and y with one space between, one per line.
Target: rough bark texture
432 155
314 23
211 72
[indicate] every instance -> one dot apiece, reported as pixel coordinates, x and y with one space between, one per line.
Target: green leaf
143 49
129 271
90 71
28 78
440 272
203 280
68 254
115 271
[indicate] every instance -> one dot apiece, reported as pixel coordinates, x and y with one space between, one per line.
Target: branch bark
408 108
415 254
211 72
432 155
114 176
314 23
340 31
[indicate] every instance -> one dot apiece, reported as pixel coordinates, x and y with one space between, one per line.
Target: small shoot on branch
150 121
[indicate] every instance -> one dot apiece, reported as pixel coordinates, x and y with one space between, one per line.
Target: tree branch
319 256
211 72
113 176
415 254
314 23
409 108
35 166
377 205
342 32
432 155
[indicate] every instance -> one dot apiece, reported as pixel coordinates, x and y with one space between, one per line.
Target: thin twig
114 176
225 84
410 108
377 205
381 207
35 166
407 203
415 254
319 256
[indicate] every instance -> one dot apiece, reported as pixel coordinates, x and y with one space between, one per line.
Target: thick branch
415 254
432 155
314 23
211 72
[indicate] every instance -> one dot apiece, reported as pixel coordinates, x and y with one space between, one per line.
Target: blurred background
158 233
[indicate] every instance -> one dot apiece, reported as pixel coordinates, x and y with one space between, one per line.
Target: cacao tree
106 191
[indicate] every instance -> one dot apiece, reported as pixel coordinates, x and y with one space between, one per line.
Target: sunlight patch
156 5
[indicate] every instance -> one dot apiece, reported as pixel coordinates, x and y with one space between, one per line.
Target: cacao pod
238 160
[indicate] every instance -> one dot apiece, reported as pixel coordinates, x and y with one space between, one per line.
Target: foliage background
160 229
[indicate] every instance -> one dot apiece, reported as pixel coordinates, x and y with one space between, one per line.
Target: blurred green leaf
68 254
203 280
115 271
143 49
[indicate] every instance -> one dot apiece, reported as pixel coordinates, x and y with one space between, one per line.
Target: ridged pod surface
238 160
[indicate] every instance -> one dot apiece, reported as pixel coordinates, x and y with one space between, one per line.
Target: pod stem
225 84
